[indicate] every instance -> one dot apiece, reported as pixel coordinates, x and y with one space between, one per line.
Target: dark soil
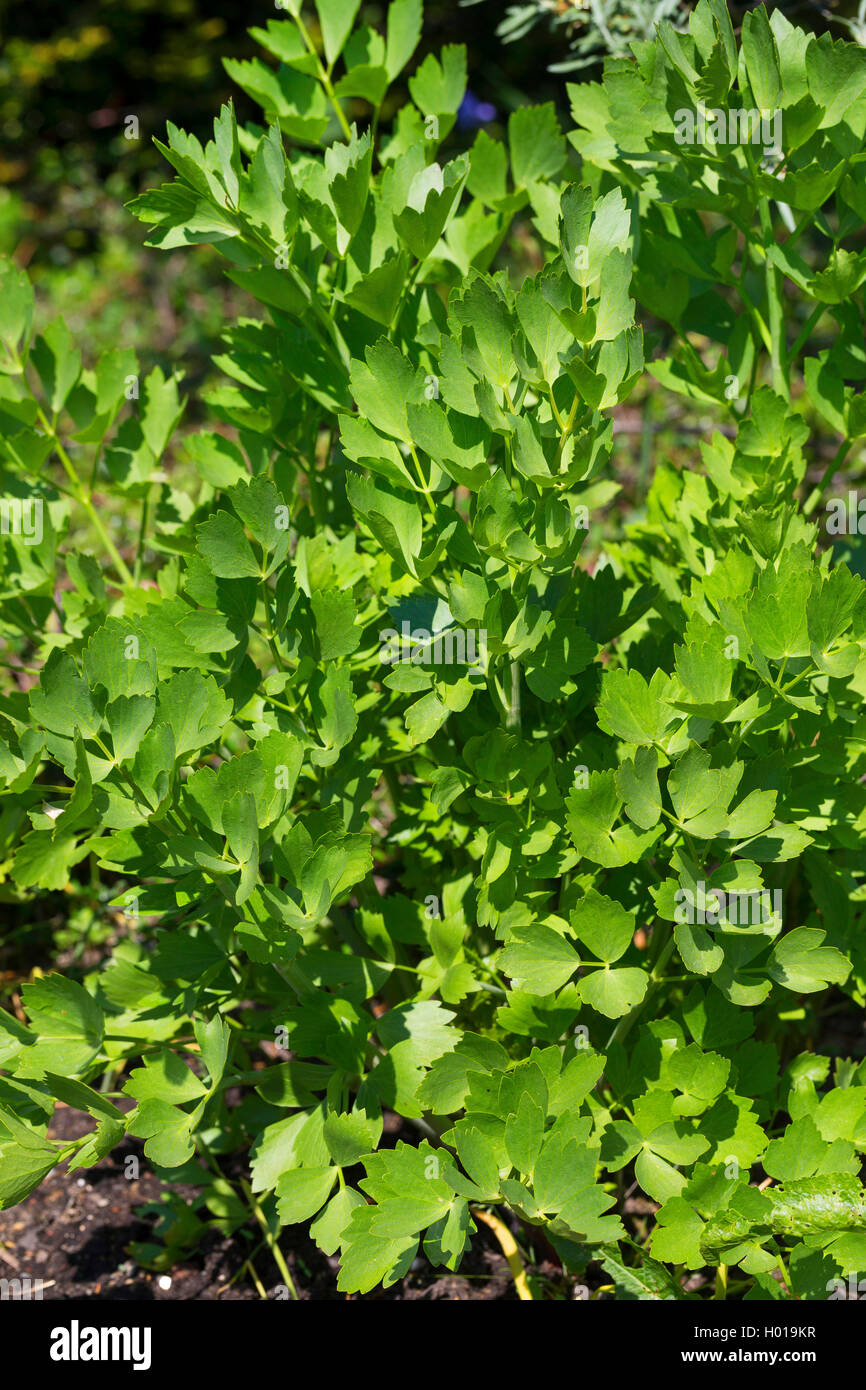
73 1234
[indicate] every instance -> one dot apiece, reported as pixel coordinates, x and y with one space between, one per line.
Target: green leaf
404 33
43 859
350 1137
613 992
603 925
592 233
121 660
67 1027
801 963
228 152
797 1154
161 410
22 1170
438 86
16 306
536 144
369 1258
430 198
222 544
592 811
424 1025
194 708
62 701
523 1134
647 1282
301 1193
334 611
128 719
539 959
336 18
637 785
631 709
57 363
164 1076
166 1131
761 59
329 1228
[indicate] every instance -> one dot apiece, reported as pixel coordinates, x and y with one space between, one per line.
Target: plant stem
331 338
425 488
836 461
269 627
270 1239
141 532
784 1274
408 286
509 1249
806 332
83 498
324 76
626 1023
260 1290
513 717
773 283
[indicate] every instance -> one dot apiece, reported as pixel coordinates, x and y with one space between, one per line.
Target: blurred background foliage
588 30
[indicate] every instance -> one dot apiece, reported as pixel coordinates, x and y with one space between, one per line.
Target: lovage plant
415 809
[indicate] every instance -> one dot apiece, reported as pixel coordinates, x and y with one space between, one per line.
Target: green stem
836 462
626 1023
773 284
423 481
784 1274
330 338
751 309
270 1239
82 497
269 627
806 331
141 533
408 286
324 76
556 415
513 717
